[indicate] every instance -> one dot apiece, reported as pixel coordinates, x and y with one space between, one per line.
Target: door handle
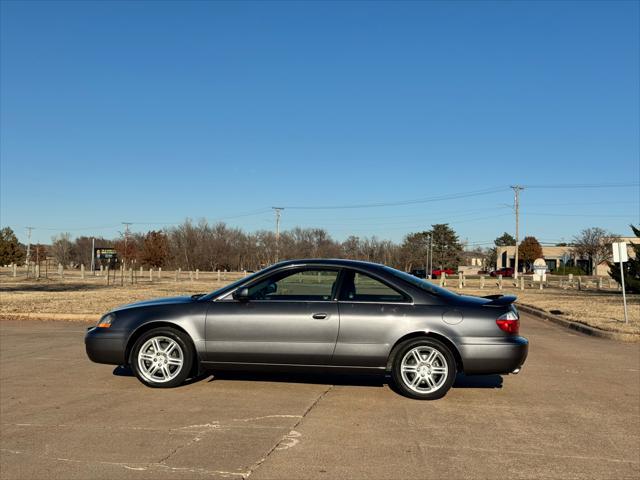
319 316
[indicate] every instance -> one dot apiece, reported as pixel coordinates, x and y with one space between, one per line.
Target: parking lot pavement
574 411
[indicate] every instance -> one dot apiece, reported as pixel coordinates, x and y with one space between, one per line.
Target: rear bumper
499 356
105 346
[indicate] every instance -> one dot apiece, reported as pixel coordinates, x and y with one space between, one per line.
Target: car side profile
437 273
419 272
317 314
505 272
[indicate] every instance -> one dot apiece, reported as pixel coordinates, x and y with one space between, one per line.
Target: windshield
420 283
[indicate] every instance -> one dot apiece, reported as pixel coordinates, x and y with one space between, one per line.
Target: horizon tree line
201 245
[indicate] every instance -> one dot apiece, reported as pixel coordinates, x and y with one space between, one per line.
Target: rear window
358 287
420 283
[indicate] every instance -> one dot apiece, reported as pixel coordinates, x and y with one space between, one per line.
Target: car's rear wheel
424 368
162 357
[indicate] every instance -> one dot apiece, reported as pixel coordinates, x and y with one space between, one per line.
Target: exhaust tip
516 371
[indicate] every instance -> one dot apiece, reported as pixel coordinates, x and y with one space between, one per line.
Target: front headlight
106 320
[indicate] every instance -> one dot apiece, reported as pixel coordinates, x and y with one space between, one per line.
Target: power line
105 227
452 196
580 214
404 227
211 219
63 229
455 196
419 219
585 185
445 197
573 204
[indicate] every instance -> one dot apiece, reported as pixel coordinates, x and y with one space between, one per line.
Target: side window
300 285
358 287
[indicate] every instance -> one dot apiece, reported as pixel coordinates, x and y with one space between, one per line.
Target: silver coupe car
333 315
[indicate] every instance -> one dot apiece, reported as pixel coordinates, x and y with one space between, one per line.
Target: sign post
620 256
539 270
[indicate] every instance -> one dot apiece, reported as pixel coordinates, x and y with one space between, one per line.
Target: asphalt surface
573 412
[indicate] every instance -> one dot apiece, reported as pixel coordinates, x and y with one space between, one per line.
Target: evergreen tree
504 240
10 249
632 268
447 249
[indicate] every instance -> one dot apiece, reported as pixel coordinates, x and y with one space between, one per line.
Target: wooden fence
527 281
150 275
118 276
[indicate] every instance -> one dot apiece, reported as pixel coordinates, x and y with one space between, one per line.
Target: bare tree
205 246
62 248
594 244
155 249
415 250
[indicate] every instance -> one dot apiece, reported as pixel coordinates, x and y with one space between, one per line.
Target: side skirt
282 367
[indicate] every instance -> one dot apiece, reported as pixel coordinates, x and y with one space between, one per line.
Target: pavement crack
291 438
187 444
201 431
136 466
255 419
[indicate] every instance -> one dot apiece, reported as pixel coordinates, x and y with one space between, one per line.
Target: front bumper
495 356
104 345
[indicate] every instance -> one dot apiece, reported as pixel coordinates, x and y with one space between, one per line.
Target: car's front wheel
162 358
424 368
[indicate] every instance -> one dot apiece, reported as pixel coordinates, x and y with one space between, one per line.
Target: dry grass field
91 296
602 310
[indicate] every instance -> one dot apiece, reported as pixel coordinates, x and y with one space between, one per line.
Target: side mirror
241 294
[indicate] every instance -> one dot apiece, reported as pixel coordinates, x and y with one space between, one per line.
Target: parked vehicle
505 272
437 273
332 315
419 272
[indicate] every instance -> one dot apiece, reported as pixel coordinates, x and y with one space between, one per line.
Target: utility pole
430 254
516 207
28 246
278 211
126 238
93 255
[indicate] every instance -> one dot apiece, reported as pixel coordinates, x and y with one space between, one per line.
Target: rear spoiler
499 300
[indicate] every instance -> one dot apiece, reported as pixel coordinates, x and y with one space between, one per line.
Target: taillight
509 322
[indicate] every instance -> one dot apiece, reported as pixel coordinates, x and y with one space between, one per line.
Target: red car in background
505 272
439 271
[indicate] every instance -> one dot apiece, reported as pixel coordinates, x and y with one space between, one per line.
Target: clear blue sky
156 111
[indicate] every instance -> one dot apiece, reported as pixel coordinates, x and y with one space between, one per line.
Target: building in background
474 262
558 256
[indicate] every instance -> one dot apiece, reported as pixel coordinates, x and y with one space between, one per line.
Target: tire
429 378
162 357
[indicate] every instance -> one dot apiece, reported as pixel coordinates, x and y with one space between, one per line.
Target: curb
579 327
72 317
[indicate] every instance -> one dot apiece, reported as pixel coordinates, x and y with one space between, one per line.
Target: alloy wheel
424 369
160 359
